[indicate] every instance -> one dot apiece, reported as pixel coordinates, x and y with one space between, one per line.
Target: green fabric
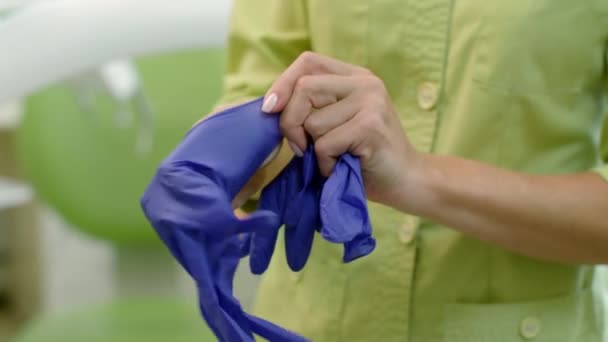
136 320
520 85
87 168
602 171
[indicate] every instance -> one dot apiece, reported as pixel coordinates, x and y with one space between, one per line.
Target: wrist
418 195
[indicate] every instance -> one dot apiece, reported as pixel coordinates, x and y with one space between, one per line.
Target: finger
311 92
336 142
299 238
263 242
292 121
245 243
308 63
261 250
264 227
323 120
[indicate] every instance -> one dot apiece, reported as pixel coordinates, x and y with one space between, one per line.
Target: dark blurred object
19 259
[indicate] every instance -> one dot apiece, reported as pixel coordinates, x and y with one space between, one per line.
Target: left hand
344 108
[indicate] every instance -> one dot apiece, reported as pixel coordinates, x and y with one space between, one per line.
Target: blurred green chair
90 171
149 320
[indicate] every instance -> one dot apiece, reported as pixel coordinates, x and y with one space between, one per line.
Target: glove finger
275 197
343 205
272 332
227 323
361 246
270 197
226 264
299 238
298 244
233 309
245 244
199 263
262 248
263 226
344 193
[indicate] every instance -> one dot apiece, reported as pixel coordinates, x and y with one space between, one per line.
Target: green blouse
518 84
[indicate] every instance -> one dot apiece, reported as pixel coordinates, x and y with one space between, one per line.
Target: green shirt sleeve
265 36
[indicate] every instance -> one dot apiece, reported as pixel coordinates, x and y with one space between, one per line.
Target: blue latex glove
188 203
294 196
306 202
344 214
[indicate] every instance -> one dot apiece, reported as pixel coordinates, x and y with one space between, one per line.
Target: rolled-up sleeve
265 36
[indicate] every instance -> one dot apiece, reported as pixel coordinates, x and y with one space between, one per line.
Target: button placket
427 95
407 231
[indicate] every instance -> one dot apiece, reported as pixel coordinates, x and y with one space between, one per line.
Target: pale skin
346 108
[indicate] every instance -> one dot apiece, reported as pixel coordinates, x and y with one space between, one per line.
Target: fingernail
296 149
269 103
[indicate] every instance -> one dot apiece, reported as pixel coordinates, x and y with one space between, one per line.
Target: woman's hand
344 108
272 166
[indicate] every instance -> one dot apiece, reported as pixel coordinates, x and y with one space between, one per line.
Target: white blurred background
48 267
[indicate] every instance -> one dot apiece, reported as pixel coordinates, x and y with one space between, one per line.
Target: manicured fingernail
296 149
269 103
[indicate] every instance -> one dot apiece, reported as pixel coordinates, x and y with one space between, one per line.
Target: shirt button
427 95
407 233
530 327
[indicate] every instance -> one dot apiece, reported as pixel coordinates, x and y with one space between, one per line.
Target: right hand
273 165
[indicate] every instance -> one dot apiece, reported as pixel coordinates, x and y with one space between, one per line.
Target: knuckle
372 121
312 62
320 98
321 148
312 125
377 105
303 84
365 152
373 83
307 57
